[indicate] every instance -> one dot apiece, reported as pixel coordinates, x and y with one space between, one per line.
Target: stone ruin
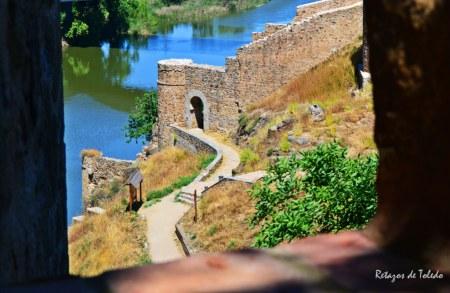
212 97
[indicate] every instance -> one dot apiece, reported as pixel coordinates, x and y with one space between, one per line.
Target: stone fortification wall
275 56
269 29
310 9
98 171
191 143
269 63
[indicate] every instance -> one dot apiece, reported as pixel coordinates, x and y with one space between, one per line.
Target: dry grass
165 167
109 241
91 153
328 82
223 219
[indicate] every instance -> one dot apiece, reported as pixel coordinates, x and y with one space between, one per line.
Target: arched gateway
196 110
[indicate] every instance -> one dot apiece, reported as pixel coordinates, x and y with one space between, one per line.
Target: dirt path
162 216
161 219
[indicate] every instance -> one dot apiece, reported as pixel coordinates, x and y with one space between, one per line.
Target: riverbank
200 10
84 23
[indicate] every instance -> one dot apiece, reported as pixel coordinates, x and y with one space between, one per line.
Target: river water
100 83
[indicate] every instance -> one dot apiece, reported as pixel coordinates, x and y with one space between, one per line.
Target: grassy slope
109 241
171 169
348 119
223 219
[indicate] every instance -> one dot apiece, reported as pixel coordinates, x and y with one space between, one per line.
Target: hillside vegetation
115 239
331 85
319 191
223 215
170 169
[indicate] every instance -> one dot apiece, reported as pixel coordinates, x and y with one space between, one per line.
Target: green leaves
338 193
143 118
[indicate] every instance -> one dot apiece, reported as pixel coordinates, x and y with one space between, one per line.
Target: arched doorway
196 110
197 113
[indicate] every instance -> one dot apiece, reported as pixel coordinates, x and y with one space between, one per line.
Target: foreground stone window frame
410 47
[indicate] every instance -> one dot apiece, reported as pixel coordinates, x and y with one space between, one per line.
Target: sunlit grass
164 168
115 239
223 219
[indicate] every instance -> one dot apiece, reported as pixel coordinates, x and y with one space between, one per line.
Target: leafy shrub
248 157
142 119
212 230
336 193
232 244
285 145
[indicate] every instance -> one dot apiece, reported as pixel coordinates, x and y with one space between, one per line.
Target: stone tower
171 93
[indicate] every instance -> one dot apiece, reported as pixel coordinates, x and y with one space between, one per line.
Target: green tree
142 119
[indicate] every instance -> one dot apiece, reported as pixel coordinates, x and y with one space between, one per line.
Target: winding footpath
163 216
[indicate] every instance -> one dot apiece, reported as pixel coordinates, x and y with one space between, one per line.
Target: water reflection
100 73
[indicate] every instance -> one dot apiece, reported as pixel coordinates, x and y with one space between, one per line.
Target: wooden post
195 206
140 191
131 196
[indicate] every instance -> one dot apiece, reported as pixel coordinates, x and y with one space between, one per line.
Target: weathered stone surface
191 143
258 69
33 237
97 172
302 140
409 61
317 113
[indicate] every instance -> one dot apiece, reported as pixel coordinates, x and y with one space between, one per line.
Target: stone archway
196 110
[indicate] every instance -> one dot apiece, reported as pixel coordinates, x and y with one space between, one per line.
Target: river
100 83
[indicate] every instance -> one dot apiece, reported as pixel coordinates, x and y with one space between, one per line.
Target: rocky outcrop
33 237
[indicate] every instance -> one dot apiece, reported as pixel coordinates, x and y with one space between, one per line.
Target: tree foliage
94 21
142 119
336 193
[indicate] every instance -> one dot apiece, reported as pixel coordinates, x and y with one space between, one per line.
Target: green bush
212 230
285 145
143 118
248 157
337 193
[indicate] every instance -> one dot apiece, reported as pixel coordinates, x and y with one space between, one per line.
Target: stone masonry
258 69
98 171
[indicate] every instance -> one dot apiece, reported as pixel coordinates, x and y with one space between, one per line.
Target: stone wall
33 215
99 171
310 9
275 56
269 29
191 143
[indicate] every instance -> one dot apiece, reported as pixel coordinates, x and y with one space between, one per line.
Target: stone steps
187 192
